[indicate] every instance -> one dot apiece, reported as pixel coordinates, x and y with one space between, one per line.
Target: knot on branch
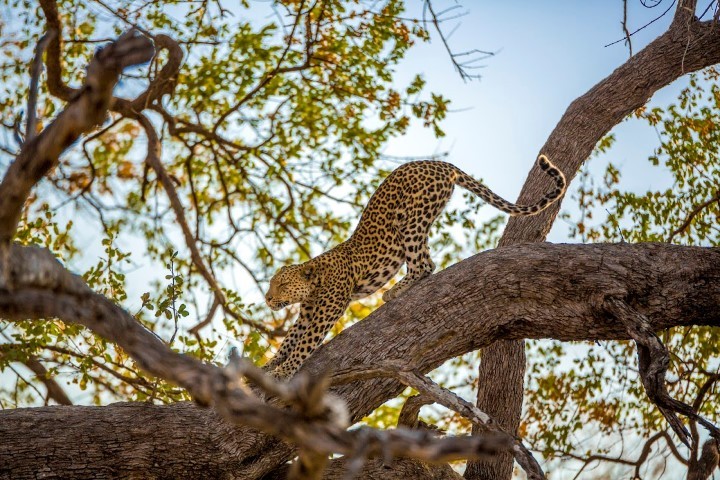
130 49
34 267
411 410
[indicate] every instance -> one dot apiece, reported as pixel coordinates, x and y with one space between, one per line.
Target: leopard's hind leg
414 233
419 266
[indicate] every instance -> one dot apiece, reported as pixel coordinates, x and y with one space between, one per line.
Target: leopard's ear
308 271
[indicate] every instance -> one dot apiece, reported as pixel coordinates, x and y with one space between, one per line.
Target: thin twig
692 215
625 28
35 69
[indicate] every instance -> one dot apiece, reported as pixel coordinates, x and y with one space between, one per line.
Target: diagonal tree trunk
687 46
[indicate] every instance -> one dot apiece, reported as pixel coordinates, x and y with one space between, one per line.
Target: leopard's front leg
315 321
296 332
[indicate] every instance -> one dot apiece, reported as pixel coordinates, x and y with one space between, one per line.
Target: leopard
393 230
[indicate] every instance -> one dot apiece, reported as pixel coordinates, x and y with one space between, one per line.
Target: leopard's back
399 215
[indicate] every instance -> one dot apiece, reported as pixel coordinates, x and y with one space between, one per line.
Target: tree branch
448 399
162 84
87 110
538 291
708 462
30 130
653 361
54 390
692 215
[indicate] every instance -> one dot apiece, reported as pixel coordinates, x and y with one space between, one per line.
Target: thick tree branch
43 289
411 410
538 291
103 441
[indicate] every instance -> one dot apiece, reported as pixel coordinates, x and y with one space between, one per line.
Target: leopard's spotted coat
393 230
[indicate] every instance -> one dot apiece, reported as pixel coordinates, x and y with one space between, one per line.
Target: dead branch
471 57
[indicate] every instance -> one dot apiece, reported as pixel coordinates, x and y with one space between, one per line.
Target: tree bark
145 441
525 291
687 46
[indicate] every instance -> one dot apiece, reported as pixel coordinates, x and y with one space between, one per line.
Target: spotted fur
393 230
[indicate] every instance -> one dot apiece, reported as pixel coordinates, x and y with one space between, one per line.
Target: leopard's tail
467 182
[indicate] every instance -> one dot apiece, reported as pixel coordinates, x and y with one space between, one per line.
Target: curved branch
527 291
87 110
55 83
694 213
163 84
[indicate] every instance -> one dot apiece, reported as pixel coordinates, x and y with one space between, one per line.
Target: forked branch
653 361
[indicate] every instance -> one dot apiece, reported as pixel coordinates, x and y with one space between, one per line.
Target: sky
547 55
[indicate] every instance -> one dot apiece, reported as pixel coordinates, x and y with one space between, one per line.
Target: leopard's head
290 285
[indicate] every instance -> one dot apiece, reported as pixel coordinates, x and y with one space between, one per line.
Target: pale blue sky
548 54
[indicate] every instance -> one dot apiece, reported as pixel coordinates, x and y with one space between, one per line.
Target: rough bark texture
144 441
526 291
687 46
502 363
